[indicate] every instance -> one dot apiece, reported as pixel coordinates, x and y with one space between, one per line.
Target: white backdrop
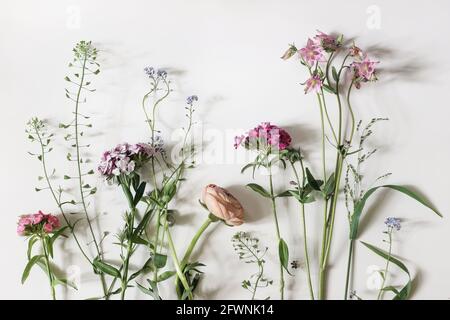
228 53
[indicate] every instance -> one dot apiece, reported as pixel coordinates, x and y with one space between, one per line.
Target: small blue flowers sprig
392 225
356 197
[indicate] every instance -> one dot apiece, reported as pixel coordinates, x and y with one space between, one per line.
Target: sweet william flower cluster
264 136
124 159
36 223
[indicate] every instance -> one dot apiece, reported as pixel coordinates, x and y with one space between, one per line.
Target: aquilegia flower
124 159
264 136
289 52
364 70
37 223
313 84
312 53
393 223
223 205
326 41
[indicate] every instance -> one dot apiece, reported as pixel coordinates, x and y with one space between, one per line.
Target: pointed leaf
30 264
359 207
313 182
258 189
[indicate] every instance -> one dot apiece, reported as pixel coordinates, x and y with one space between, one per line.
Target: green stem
49 271
329 225
194 241
58 203
190 248
80 182
176 262
351 111
305 244
130 225
277 228
349 267
386 269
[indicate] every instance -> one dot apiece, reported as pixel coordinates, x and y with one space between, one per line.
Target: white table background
228 53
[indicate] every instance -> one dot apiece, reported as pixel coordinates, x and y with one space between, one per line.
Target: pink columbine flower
238 141
326 41
313 84
355 52
312 53
365 69
36 223
265 135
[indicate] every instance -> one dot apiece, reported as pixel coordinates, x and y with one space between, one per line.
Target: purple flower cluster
155 74
265 135
393 223
191 99
124 159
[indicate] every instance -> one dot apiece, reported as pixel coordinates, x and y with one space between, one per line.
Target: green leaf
64 282
335 74
141 226
247 166
312 182
359 207
286 193
160 260
31 242
139 193
328 88
49 246
406 290
146 267
258 189
166 275
56 234
106 268
30 264
144 289
283 252
328 189
139 240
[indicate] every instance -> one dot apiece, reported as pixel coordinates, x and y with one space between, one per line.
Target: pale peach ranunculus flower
223 204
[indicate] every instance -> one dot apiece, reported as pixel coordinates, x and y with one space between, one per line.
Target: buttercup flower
312 53
313 84
393 223
265 135
37 223
124 159
223 205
